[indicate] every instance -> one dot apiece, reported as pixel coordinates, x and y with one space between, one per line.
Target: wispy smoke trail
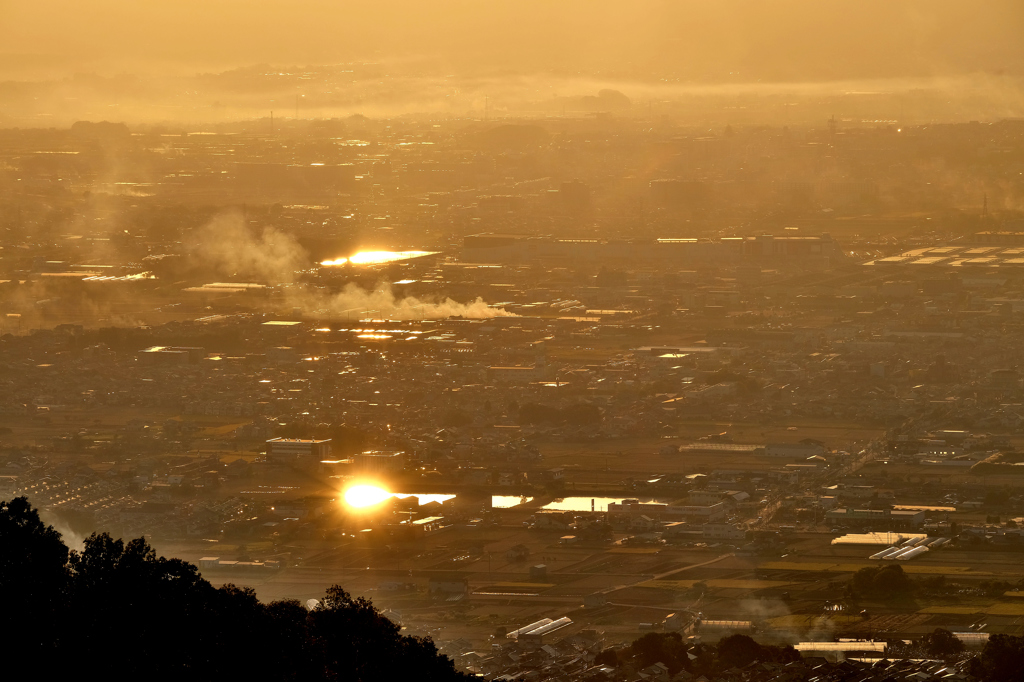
354 302
71 538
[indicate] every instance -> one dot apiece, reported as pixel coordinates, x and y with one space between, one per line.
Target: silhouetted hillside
117 611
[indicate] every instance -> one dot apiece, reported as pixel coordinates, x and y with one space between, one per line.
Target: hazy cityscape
477 358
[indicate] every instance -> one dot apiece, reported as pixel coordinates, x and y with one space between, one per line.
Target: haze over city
574 341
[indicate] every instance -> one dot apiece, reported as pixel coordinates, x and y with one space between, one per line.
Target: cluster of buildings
580 348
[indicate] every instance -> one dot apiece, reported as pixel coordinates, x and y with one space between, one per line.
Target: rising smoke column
226 244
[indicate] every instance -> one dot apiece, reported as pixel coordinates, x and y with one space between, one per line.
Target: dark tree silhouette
884 582
607 657
734 651
654 647
738 650
118 611
33 585
942 643
1002 660
355 641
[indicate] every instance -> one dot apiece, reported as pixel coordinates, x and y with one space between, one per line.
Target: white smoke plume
229 245
71 538
354 302
822 629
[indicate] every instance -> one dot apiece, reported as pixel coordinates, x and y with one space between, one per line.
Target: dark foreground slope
117 611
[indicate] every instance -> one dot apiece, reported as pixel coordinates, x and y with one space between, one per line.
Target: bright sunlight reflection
376 257
365 495
368 495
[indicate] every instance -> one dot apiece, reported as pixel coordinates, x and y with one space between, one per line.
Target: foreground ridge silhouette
117 611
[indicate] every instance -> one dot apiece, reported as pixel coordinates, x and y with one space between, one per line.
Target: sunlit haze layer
698 323
194 62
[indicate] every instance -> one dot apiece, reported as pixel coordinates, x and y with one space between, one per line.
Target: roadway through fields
660 576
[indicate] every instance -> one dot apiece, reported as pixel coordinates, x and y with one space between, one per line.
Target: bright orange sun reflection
365 495
376 257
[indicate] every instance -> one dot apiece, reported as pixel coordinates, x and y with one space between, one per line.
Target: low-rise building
282 450
876 518
379 462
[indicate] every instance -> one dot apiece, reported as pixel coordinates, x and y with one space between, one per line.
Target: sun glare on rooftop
365 495
376 257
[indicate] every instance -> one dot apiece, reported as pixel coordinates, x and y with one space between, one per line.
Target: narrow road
666 573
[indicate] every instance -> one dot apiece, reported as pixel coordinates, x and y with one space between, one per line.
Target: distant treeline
1001 660
669 649
117 611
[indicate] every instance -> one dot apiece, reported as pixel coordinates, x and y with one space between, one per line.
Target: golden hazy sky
715 40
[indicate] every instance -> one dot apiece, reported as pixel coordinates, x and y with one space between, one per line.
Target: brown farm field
787 593
101 422
606 459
